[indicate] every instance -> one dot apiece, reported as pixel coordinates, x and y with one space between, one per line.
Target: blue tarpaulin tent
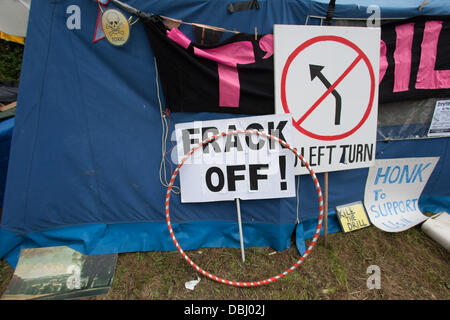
86 149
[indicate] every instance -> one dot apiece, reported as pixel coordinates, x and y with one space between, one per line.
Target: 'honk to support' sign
245 166
393 188
401 174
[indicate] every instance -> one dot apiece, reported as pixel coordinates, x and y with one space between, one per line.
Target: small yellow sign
116 27
352 216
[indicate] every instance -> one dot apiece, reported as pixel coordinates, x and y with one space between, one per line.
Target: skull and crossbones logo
114 25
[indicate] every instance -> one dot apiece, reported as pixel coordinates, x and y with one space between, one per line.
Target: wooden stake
325 199
241 236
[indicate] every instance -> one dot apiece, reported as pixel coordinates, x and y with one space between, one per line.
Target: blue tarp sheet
86 150
6 132
388 9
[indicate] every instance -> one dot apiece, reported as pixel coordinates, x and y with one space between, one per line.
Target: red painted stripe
311 109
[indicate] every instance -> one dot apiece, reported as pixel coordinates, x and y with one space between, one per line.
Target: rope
165 132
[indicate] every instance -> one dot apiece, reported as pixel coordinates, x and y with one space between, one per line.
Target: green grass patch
11 54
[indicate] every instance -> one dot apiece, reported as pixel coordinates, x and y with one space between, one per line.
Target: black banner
235 76
415 59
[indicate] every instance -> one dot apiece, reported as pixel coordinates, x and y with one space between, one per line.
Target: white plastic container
437 228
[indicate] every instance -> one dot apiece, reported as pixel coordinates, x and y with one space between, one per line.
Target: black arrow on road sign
316 71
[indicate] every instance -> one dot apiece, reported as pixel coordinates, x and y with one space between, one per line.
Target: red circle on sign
291 58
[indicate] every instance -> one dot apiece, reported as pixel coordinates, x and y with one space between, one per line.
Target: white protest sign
327 78
440 124
245 166
393 188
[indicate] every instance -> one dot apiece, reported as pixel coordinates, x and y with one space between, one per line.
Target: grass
412 267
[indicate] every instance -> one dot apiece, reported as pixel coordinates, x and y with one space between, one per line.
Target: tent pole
325 226
241 236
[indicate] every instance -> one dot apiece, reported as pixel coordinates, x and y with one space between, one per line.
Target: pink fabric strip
179 37
383 60
229 87
229 54
266 45
427 76
228 57
402 56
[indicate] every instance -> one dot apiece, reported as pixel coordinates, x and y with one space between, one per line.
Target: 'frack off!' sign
245 166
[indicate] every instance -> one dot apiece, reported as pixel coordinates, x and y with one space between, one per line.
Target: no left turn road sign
316 71
327 78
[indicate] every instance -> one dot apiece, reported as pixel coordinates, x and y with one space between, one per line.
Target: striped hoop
251 283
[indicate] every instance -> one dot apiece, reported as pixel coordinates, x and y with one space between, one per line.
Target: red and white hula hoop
251 283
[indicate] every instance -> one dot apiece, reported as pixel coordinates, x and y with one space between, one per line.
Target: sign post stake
325 199
241 236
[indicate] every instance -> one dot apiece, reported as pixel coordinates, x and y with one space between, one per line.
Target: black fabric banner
235 76
415 59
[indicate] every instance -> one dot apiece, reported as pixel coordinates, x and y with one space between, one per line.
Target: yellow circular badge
116 27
